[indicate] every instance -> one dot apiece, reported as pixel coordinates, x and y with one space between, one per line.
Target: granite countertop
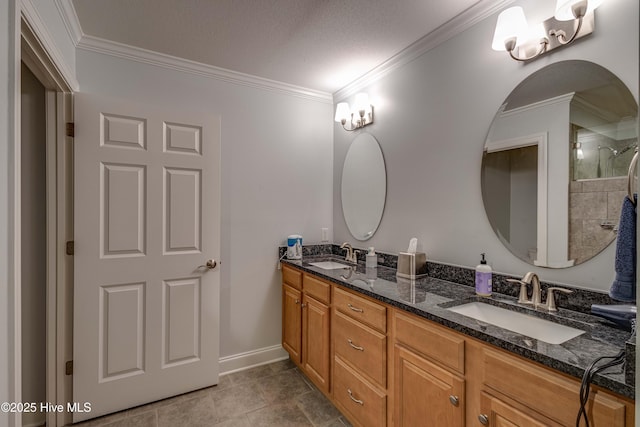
430 297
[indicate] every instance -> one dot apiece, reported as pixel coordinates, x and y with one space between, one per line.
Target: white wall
276 179
432 118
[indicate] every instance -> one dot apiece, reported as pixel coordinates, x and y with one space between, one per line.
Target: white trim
34 53
560 99
120 50
32 18
465 20
540 140
249 359
15 224
52 255
70 19
64 283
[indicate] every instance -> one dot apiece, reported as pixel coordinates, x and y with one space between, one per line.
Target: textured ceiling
316 44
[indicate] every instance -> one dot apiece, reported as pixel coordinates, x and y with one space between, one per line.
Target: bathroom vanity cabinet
429 373
383 366
359 337
305 324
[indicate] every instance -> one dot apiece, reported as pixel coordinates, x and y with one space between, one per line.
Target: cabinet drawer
363 403
292 277
431 340
548 393
317 288
361 309
361 347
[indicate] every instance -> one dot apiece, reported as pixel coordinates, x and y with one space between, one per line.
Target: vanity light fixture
360 116
524 42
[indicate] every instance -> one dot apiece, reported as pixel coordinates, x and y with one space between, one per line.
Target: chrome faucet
529 279
351 255
536 295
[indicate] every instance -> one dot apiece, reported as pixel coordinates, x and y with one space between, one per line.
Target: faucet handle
355 255
550 305
522 298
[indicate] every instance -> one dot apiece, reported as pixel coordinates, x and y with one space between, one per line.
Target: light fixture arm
362 121
561 36
573 19
510 45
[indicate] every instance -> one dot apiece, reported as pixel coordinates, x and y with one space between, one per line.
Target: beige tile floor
271 395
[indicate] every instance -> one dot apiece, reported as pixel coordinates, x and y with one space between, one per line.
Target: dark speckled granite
580 300
430 297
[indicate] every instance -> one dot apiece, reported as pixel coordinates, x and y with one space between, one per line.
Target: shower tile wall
592 202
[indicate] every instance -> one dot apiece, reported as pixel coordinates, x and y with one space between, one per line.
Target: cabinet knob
484 420
454 400
303 305
297 301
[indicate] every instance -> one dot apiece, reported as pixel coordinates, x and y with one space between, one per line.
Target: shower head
606 147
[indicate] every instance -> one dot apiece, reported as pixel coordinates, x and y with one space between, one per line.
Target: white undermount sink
329 265
534 327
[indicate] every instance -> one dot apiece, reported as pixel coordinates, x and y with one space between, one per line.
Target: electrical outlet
325 234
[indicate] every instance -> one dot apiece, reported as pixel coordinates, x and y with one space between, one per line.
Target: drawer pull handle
356 347
358 401
454 400
484 420
356 309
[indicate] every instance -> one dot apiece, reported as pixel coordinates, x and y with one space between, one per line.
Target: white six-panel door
146 221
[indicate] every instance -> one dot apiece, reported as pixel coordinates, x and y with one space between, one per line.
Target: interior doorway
33 237
44 225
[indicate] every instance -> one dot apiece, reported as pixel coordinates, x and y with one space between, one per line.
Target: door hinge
70 247
71 129
68 367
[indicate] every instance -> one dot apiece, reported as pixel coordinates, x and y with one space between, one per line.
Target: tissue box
412 266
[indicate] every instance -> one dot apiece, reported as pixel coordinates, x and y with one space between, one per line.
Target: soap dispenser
483 278
372 258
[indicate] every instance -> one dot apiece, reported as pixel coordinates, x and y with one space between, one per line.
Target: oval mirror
364 186
555 163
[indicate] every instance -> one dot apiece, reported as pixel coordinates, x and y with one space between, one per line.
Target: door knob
211 264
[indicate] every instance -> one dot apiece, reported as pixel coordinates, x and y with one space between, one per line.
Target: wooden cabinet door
292 322
425 394
315 336
496 413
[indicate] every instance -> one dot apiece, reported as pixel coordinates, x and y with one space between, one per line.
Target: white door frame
38 52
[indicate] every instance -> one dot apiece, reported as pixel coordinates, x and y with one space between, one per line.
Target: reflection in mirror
555 163
364 186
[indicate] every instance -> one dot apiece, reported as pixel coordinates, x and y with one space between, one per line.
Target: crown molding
120 50
32 18
471 16
70 19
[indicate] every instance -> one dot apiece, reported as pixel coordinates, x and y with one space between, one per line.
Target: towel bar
630 176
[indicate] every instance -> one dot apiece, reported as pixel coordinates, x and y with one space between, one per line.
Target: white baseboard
250 359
